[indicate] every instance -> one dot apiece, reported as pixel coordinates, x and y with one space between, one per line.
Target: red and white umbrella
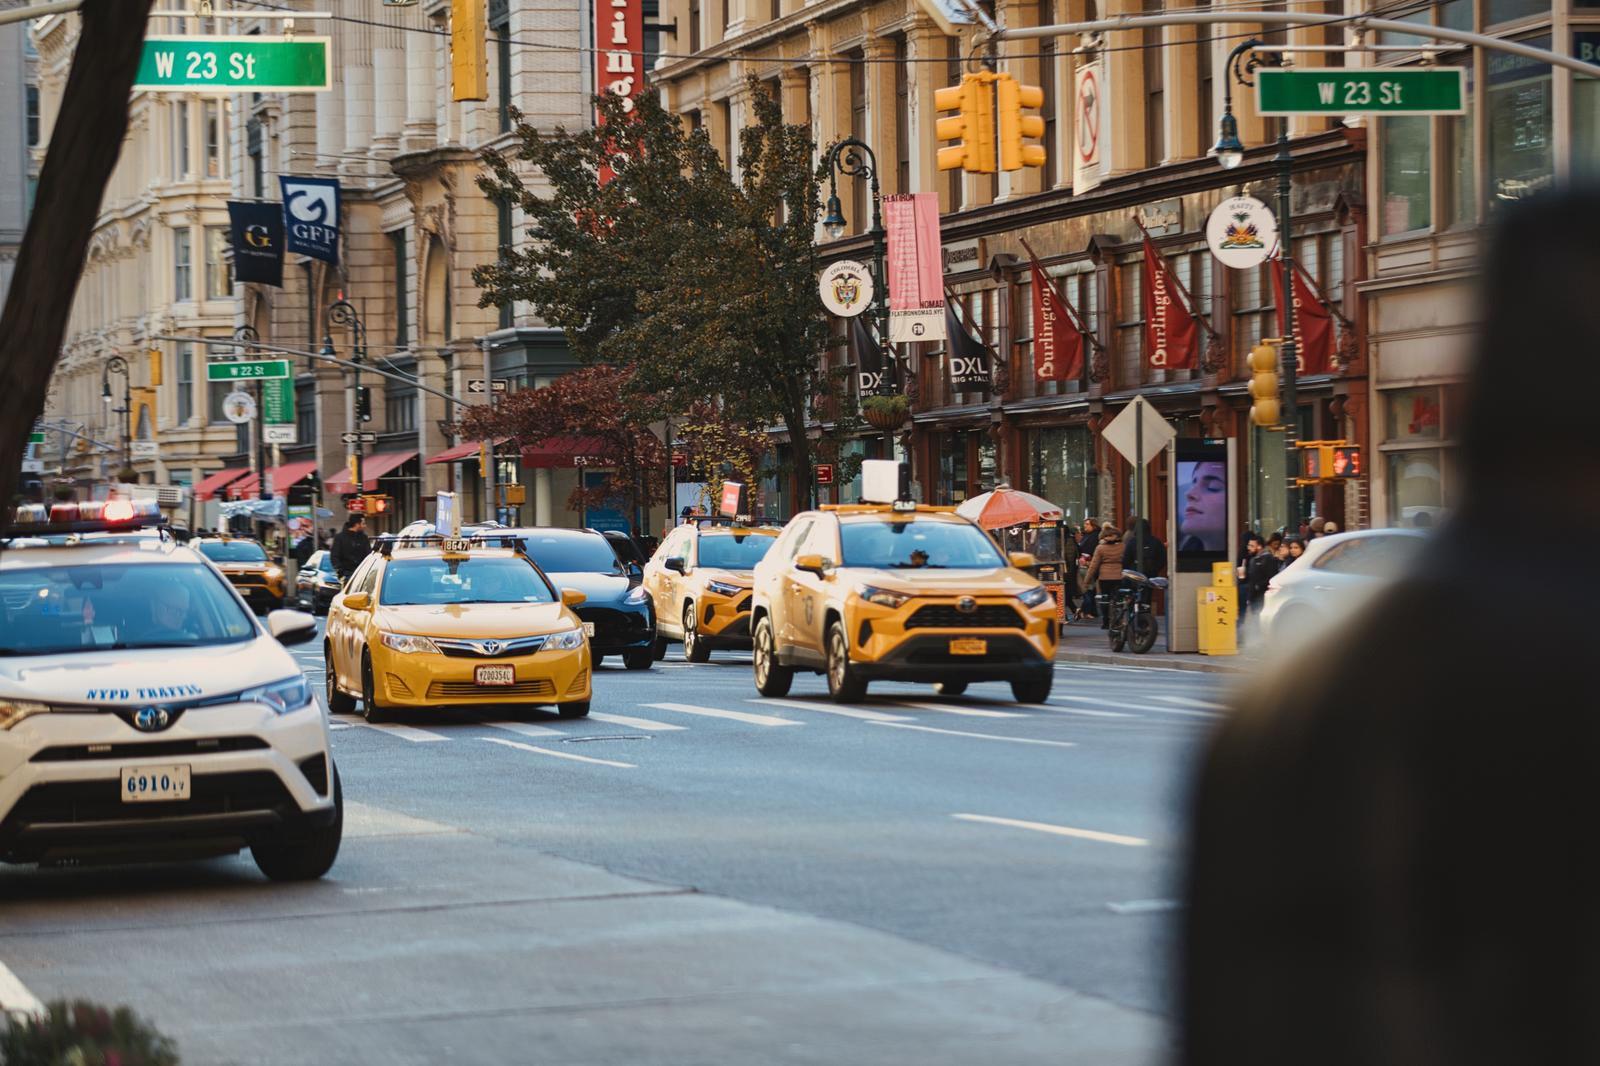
1005 507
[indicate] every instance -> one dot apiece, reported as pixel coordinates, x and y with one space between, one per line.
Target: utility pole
491 489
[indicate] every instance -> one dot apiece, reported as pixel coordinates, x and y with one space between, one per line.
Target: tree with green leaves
648 255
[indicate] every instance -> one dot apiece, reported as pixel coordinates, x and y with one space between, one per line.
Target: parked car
316 584
1335 576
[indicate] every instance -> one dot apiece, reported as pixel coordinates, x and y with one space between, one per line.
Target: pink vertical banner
915 272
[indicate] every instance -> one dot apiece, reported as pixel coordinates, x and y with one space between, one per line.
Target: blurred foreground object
1390 836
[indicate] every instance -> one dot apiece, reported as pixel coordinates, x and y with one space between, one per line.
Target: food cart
1022 522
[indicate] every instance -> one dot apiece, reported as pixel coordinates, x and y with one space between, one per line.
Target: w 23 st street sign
234 64
1339 91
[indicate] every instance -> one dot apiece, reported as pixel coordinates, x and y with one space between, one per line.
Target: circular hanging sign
1242 232
239 407
846 288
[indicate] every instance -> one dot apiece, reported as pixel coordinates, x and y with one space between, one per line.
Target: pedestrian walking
1105 568
1088 540
1252 547
350 546
1154 560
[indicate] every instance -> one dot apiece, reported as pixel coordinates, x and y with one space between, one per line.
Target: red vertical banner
619 57
1171 334
1057 344
1313 323
914 267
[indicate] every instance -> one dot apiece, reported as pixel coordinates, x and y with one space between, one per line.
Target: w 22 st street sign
1339 91
235 64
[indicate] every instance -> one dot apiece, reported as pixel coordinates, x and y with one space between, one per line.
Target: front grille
148 749
459 690
613 624
946 616
67 802
244 581
475 649
316 770
744 604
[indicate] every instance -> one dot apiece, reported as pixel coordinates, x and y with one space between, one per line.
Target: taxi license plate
152 784
969 646
495 675
588 629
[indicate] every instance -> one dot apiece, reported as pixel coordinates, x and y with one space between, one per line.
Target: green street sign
36 437
234 64
1368 91
248 370
277 401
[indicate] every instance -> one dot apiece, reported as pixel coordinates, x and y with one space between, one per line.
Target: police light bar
89 516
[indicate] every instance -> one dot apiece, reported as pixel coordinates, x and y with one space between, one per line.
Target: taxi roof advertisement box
446 520
880 480
732 493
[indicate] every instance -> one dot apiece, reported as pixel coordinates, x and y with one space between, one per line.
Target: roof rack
898 507
386 543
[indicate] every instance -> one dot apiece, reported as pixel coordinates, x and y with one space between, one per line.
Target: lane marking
1098 702
1127 669
558 754
828 708
405 732
1188 701
1057 830
364 820
1144 906
14 995
526 729
715 712
637 723
979 736
966 712
1078 710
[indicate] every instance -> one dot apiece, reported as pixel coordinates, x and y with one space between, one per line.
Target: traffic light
1347 460
1264 385
972 125
469 50
363 404
155 367
1316 460
1012 98
375 504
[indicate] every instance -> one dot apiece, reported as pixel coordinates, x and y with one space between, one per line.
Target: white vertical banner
915 273
1090 127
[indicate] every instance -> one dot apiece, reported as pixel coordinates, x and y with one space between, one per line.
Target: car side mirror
291 627
358 601
572 597
1022 560
676 563
812 564
635 571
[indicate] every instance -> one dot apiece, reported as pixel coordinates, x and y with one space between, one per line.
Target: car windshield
570 553
57 609
916 544
733 551
233 551
503 579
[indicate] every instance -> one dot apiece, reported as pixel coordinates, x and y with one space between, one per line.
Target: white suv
145 713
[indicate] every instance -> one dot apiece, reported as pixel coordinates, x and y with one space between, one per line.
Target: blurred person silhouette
1388 852
1087 542
1105 570
1296 546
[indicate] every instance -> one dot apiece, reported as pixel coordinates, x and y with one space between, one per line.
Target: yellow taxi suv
699 581
245 564
429 622
878 592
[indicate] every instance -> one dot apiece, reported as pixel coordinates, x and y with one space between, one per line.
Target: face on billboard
1202 505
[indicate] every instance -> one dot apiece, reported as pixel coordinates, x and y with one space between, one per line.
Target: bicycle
1132 621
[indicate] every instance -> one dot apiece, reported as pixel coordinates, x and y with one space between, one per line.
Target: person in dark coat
350 546
1087 543
1389 842
1155 552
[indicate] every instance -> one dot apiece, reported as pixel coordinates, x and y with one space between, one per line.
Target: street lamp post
1229 152
855 159
250 337
120 365
342 313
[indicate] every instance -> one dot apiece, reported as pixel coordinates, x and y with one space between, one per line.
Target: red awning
372 468
282 477
556 452
464 450
215 480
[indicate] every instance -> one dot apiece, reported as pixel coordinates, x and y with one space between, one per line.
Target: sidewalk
1085 642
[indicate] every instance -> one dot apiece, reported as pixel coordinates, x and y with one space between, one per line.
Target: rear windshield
733 551
571 553
233 551
916 544
499 579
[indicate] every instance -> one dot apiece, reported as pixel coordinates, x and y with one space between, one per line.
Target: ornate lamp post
342 313
250 337
119 365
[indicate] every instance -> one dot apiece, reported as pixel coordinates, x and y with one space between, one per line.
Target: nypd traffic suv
145 712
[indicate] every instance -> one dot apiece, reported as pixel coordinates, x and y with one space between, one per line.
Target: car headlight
407 644
290 694
882 597
14 711
274 572
565 640
637 595
1035 596
722 588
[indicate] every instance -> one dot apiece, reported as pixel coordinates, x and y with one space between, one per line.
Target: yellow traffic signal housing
972 125
469 50
1264 385
1012 99
155 367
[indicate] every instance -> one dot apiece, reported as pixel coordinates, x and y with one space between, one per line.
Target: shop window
305 411
1406 173
1416 484
1496 12
1061 469
1254 309
1586 112
1413 414
1520 112
1130 324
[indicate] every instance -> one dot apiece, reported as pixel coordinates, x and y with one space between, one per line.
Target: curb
1111 659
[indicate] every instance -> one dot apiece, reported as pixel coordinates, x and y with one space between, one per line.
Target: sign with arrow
359 438
477 386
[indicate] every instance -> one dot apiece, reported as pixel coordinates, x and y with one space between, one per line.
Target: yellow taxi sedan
424 625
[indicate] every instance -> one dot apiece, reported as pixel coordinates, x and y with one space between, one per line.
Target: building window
1130 323
1498 11
180 140
1406 173
305 411
1520 112
1417 452
1585 115
219 279
397 247
694 25
33 116
253 148
182 266
216 138
955 188
1061 469
500 26
1253 307
185 361
1206 113
1155 108
858 130
503 214
902 118
1456 151
400 400
1051 172
216 392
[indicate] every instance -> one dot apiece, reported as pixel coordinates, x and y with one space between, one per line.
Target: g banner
256 232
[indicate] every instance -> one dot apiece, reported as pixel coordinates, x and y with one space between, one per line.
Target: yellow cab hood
479 620
932 581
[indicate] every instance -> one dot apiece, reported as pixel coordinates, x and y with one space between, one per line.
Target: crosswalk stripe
1188 701
637 723
1057 830
1098 702
951 708
828 708
717 712
526 729
979 736
405 732
559 754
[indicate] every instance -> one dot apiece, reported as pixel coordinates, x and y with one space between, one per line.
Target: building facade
19 136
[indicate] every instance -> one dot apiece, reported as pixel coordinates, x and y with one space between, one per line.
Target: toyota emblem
491 647
151 719
966 605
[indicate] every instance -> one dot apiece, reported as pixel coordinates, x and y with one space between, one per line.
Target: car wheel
369 702
950 688
339 702
305 855
844 684
639 659
695 648
1032 690
772 680
573 710
659 650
